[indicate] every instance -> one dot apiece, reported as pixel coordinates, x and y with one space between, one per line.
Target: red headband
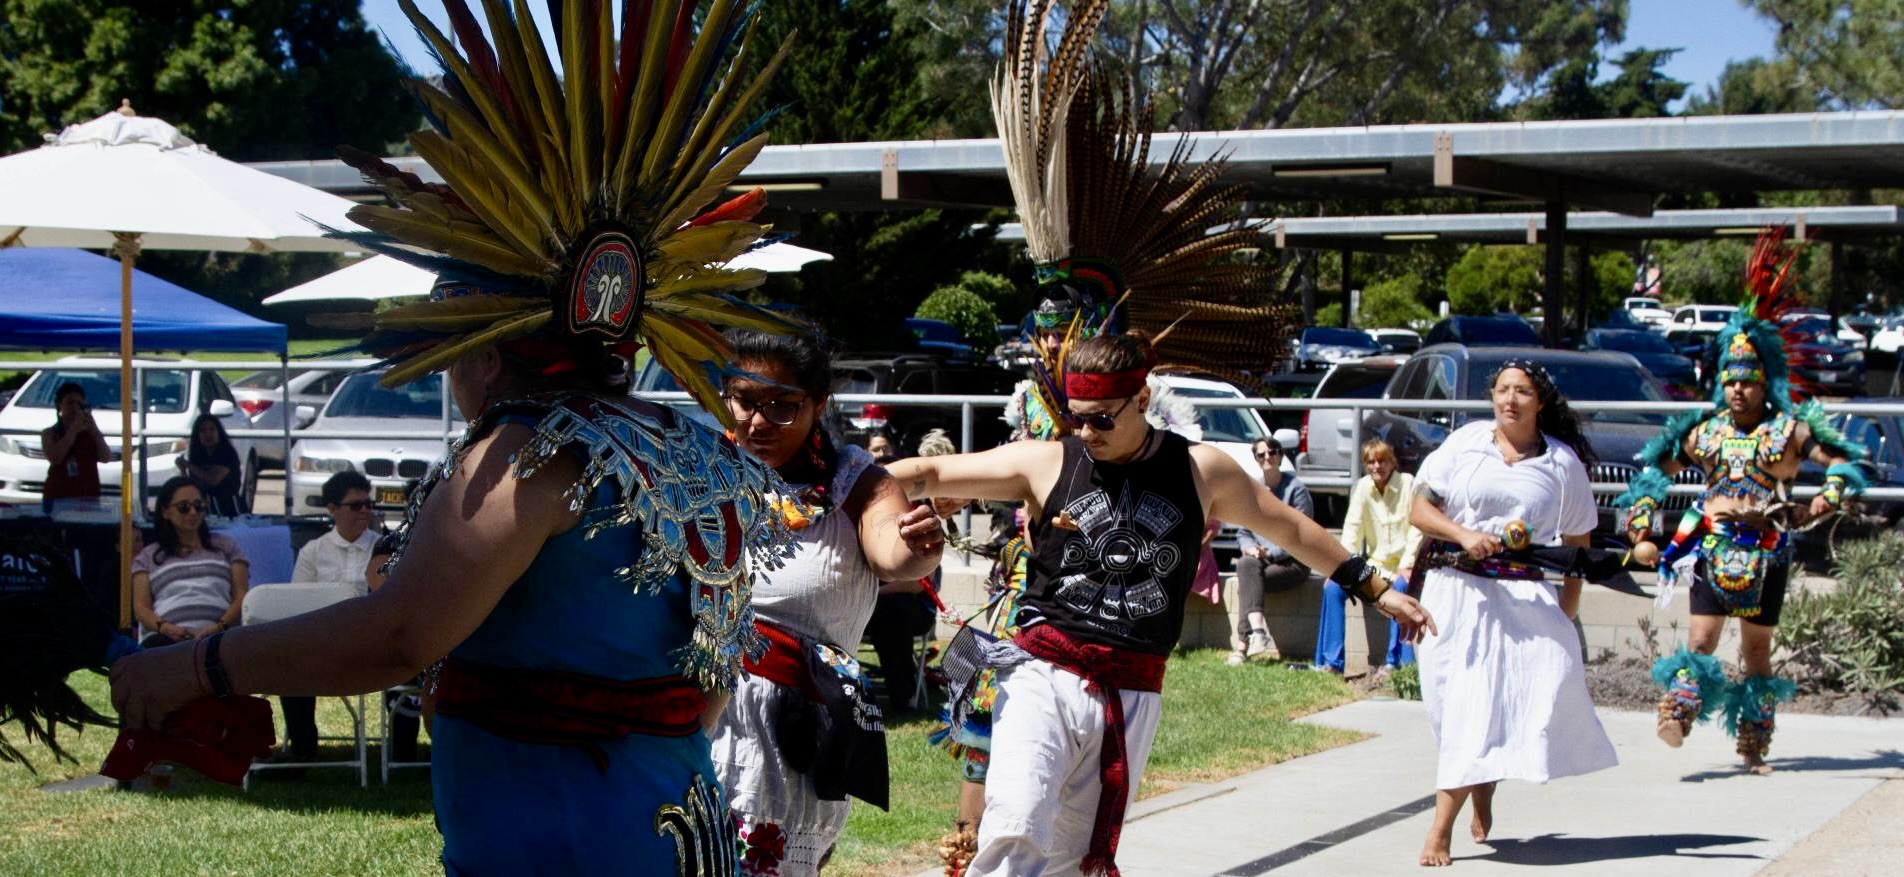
1113 385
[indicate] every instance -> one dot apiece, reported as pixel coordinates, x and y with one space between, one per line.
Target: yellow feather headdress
1162 243
578 206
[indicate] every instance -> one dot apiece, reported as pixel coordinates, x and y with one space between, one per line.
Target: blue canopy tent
54 299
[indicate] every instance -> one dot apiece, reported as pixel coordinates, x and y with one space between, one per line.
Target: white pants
1042 790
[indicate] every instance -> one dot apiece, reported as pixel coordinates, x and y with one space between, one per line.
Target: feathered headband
575 210
1098 214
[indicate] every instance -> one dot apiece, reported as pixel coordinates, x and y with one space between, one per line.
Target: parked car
1329 445
361 404
939 336
1397 340
920 374
1859 326
268 400
1646 309
1828 361
652 378
1882 438
1889 337
173 398
1454 372
1319 347
1231 430
1700 319
1679 374
1499 330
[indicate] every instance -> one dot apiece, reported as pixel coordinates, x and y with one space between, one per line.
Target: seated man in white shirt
337 556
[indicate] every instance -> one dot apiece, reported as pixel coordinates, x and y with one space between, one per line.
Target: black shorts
1771 594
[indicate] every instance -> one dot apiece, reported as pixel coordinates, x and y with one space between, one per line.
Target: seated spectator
73 447
212 464
904 611
1263 567
1376 527
881 447
190 582
341 555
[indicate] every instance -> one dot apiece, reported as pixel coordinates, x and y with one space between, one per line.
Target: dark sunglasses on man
356 505
1269 452
1100 421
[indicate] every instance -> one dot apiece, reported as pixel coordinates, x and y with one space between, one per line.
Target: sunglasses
1100 421
779 412
186 507
1269 452
356 505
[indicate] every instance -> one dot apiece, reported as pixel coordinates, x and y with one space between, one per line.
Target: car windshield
1634 342
1589 382
1354 383
362 396
1482 332
1222 424
1340 338
1817 326
166 392
1714 315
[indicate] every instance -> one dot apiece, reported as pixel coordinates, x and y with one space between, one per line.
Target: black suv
921 374
1457 373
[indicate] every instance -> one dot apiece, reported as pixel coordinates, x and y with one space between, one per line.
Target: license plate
1827 377
390 496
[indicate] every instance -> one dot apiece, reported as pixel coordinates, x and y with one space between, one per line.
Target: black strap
215 674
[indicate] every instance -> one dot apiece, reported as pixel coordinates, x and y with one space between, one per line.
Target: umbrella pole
126 247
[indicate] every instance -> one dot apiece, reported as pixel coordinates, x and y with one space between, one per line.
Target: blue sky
1710 33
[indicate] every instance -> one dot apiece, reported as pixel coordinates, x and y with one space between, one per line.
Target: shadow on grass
1888 759
314 790
1557 849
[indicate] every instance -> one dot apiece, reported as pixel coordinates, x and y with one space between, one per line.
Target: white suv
173 399
361 404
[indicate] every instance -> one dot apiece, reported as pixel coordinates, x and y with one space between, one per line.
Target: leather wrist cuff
215 676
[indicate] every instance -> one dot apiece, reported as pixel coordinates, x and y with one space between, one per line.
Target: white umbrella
381 277
378 277
123 182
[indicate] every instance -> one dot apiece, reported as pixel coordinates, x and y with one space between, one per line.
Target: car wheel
249 492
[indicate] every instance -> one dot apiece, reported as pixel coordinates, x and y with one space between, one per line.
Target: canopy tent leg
290 411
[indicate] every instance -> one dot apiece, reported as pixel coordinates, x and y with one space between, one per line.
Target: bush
1395 302
1405 682
967 311
1851 639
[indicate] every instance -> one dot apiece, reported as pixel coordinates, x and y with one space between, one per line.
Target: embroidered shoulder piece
700 505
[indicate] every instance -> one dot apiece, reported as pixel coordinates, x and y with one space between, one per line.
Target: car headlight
8 445
1855 356
321 464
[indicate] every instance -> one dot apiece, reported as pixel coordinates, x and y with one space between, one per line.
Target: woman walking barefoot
1502 680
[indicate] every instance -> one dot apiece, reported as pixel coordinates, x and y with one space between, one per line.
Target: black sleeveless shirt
1119 574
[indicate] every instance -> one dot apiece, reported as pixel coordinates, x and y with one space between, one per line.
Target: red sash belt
784 662
567 709
1107 672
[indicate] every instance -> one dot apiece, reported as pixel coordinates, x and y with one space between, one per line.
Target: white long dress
825 591
1503 682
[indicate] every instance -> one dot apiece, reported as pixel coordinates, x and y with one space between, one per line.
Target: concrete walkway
1832 807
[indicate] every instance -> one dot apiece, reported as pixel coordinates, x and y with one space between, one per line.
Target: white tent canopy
139 174
381 277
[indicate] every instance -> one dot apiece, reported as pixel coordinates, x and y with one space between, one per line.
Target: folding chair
278 601
393 701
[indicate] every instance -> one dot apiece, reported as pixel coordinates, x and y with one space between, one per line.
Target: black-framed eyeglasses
1100 421
356 505
780 412
188 506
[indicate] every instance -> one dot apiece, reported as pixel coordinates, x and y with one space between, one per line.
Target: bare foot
1434 854
1483 812
1757 766
1671 733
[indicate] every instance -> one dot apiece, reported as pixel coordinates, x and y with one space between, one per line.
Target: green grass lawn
1218 721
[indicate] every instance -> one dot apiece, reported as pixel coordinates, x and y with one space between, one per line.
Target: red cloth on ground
1107 672
218 738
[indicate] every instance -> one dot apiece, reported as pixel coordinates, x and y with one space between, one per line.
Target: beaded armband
1640 517
1834 491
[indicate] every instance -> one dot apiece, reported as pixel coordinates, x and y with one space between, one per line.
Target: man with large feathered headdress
1734 541
581 557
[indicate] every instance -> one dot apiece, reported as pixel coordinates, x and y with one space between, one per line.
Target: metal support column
1553 289
1584 285
1348 280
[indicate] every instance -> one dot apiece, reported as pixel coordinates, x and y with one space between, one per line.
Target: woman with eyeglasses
1262 566
1118 509
212 464
802 731
1503 682
190 582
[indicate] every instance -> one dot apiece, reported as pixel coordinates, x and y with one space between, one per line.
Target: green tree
1395 302
1756 86
1495 278
1850 50
1641 89
1703 272
1612 283
966 310
254 79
